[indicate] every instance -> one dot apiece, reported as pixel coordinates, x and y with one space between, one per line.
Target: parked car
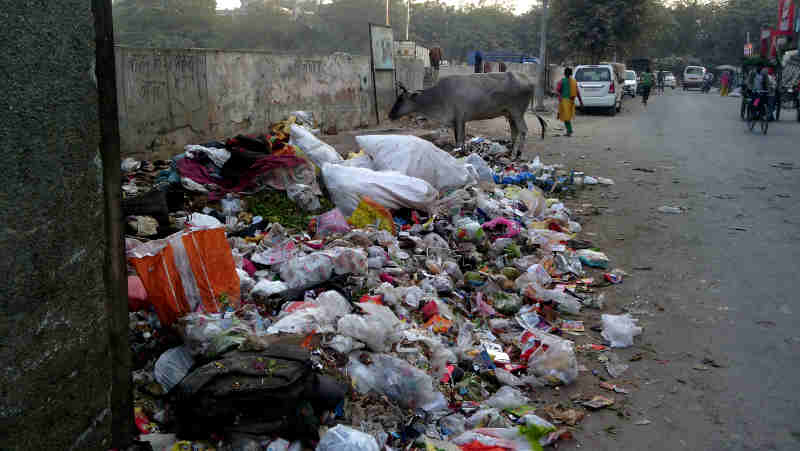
599 87
631 83
670 81
693 77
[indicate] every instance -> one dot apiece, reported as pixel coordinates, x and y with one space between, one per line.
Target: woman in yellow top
566 107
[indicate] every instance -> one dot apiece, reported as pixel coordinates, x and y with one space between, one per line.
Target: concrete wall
169 98
410 72
55 378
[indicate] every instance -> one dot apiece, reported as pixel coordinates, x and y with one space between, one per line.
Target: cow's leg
514 132
522 127
459 128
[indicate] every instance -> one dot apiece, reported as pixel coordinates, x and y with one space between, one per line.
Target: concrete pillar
55 381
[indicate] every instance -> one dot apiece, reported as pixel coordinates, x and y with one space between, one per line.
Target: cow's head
404 104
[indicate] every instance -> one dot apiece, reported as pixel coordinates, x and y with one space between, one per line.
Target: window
593 74
630 75
694 71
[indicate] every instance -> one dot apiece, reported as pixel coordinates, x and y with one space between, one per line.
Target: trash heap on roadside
283 297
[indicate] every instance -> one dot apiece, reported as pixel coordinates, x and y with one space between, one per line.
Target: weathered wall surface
169 98
410 72
54 382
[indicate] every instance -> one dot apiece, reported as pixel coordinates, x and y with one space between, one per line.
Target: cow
458 99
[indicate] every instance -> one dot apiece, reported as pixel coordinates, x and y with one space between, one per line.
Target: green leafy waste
275 206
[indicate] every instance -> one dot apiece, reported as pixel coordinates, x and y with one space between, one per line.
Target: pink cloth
202 174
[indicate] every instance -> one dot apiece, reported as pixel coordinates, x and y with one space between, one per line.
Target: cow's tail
543 123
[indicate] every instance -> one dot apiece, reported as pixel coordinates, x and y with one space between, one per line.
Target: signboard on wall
382 40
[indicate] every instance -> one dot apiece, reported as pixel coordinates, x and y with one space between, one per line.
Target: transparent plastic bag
487 417
410 387
344 438
379 329
507 398
554 359
485 173
303 196
330 223
619 330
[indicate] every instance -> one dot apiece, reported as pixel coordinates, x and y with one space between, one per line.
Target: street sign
748 49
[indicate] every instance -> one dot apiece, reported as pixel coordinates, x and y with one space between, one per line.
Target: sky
520 5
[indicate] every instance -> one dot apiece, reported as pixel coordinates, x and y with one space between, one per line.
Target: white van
599 87
693 77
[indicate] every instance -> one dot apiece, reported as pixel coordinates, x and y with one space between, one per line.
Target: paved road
724 273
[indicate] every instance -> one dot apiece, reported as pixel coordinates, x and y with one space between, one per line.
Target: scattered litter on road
670 210
269 274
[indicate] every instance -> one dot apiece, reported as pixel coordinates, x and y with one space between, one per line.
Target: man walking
647 84
568 90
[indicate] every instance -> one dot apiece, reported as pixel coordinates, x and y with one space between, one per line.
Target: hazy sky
521 5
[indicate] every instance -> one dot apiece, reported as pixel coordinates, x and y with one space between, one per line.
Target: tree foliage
708 32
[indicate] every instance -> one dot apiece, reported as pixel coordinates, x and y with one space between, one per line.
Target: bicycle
757 112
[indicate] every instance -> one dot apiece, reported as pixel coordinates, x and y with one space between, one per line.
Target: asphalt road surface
719 304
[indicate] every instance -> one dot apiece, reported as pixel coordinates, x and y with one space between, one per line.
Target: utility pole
540 91
387 13
408 18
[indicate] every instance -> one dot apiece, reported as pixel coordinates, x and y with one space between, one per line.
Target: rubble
423 310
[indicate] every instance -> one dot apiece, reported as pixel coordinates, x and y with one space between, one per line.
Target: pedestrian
725 83
478 62
568 90
502 67
647 84
660 79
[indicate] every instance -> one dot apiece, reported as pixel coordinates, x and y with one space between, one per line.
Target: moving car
631 83
599 87
670 81
693 77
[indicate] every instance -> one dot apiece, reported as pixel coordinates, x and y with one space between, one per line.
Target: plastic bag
593 258
303 196
318 267
533 199
410 387
370 213
359 161
276 254
552 358
487 417
619 330
511 227
485 173
217 156
415 157
343 344
507 398
506 378
318 151
330 223
231 205
187 270
379 329
172 366
344 438
266 288
393 190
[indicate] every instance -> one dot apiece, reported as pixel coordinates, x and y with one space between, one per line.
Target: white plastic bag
619 330
415 157
320 266
363 161
266 288
319 152
303 196
344 345
393 190
344 438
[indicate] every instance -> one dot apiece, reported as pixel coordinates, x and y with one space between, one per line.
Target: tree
594 28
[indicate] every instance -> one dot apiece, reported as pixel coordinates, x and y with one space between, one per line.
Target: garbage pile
410 300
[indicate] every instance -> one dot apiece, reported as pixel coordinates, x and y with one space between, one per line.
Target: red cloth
137 295
200 173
